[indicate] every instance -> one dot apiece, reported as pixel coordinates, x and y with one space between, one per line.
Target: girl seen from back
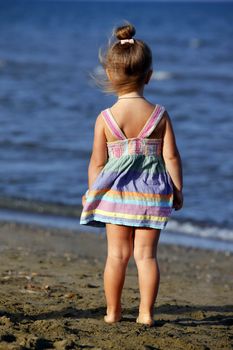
134 175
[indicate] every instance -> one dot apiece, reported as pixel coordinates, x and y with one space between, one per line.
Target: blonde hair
126 64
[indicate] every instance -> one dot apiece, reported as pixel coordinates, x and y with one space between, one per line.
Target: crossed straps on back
146 131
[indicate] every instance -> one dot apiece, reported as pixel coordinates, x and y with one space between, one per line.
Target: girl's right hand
177 199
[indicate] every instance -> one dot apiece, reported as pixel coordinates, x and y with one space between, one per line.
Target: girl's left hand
84 200
178 200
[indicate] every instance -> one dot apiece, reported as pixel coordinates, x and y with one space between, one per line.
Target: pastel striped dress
133 188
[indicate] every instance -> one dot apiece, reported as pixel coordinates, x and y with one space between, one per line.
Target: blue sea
49 102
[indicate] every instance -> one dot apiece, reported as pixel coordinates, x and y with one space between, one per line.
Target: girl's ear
148 76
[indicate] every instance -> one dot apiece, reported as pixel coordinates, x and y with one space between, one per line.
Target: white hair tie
124 41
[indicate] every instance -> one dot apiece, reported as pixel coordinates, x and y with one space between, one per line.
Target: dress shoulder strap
152 122
112 124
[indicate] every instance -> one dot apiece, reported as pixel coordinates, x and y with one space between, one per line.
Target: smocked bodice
135 146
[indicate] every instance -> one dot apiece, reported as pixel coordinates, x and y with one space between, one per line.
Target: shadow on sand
194 315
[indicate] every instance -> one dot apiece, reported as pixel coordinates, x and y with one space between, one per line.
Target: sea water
49 102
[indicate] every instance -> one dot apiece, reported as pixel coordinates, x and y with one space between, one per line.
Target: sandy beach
52 295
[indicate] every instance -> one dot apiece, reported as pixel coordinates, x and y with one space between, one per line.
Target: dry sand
51 295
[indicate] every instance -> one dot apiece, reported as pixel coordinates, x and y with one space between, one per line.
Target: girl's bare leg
145 249
120 247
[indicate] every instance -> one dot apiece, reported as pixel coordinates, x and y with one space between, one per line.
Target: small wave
37 146
193 75
24 63
39 207
201 230
162 75
26 144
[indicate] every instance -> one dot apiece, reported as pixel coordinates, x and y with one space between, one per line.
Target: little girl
134 175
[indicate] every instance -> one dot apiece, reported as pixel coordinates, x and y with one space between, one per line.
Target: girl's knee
120 257
144 254
145 244
120 243
120 254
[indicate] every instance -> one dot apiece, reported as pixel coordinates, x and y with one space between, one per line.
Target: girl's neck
133 94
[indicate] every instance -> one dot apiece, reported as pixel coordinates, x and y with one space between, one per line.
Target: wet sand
51 295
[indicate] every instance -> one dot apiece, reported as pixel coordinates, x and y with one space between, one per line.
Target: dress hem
101 223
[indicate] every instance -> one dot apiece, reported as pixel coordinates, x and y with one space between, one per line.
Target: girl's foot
146 320
112 318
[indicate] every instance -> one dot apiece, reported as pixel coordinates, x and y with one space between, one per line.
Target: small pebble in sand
5 321
70 295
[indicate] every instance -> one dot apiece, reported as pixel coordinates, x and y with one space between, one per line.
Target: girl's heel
110 320
147 321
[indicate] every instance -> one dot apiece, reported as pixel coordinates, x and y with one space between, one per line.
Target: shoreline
171 235
52 295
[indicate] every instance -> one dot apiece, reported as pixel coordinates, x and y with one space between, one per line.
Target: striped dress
133 188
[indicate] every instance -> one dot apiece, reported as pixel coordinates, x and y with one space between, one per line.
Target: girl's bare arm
173 163
99 152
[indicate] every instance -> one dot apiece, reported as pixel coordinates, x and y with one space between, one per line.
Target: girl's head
128 63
